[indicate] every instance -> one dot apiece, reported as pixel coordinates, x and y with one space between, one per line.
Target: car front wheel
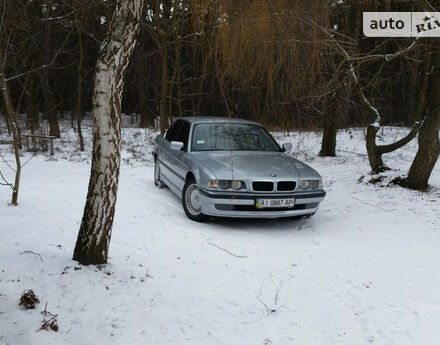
191 202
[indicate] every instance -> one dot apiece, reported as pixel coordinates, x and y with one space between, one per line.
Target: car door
165 159
173 168
179 157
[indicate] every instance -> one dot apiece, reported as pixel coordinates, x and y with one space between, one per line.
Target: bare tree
96 226
9 111
374 151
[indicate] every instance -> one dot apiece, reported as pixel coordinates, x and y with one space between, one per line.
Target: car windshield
232 136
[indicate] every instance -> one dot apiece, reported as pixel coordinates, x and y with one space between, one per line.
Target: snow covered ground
363 270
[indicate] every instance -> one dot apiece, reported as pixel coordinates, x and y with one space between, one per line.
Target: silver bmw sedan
229 167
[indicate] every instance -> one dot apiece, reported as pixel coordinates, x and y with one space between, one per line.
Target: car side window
171 134
183 134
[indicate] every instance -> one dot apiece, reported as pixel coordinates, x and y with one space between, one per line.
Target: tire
157 181
190 202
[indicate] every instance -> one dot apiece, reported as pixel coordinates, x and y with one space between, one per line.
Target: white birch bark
96 226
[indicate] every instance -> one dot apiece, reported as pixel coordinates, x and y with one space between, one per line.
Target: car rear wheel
157 181
191 202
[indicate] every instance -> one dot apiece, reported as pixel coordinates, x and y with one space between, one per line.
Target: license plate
274 203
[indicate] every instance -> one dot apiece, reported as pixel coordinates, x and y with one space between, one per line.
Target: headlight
213 184
311 184
227 184
235 184
224 184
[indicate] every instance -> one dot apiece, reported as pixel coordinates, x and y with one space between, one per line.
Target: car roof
215 119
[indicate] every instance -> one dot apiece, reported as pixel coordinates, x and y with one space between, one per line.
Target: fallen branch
227 251
31 252
352 152
264 304
278 285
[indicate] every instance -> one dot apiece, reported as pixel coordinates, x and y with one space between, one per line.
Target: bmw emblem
273 175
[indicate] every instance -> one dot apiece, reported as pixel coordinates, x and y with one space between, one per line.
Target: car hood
248 165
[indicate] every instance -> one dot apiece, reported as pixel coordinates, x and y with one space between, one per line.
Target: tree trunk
328 145
333 114
16 140
375 152
5 116
142 68
80 76
146 117
427 154
33 118
94 234
164 86
429 143
50 106
374 156
412 95
166 6
423 90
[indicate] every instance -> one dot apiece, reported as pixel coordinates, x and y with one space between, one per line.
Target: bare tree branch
5 183
42 66
227 251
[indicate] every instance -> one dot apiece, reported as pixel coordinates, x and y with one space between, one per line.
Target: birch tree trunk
94 234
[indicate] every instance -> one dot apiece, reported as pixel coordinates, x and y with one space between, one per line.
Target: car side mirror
176 145
287 147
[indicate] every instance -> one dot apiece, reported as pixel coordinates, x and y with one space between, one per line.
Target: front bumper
242 205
